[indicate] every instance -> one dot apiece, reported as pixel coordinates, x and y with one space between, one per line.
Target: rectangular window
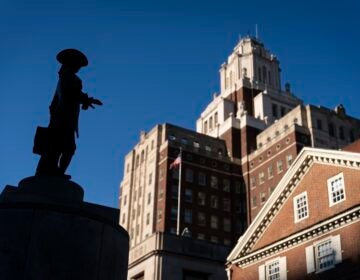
280 166
188 195
289 160
324 254
301 210
125 198
189 175
319 124
237 187
274 269
161 194
188 216
147 218
174 213
274 110
150 178
174 191
200 236
214 182
201 219
226 185
253 202
214 201
196 145
226 204
261 177
270 172
227 225
201 198
202 179
175 173
139 210
159 215
253 182
282 111
336 189
214 239
205 127
214 222
216 118
262 197
149 198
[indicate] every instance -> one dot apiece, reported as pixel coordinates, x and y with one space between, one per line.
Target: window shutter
336 244
283 270
310 262
262 272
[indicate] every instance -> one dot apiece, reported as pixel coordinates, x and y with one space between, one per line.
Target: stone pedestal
48 232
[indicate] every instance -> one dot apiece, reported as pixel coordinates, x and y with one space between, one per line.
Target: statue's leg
48 164
68 151
64 162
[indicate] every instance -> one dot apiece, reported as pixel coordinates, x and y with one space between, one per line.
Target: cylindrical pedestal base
45 239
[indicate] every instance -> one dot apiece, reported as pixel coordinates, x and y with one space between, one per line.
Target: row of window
202 199
270 171
201 219
336 194
262 75
320 256
195 144
202 236
202 180
278 111
211 123
262 196
333 130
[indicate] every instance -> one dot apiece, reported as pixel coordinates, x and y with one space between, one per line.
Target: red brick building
309 227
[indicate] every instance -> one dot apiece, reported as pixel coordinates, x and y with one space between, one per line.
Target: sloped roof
285 187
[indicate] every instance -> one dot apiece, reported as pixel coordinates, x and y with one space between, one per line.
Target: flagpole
179 196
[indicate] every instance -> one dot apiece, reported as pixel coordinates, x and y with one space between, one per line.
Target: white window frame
330 192
312 263
264 269
296 208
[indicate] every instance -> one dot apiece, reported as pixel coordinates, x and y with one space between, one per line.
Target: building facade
264 126
246 140
213 204
309 227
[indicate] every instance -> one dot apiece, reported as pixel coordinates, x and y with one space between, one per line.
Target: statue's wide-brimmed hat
72 57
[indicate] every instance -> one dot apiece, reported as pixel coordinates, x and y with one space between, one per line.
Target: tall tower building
264 126
212 207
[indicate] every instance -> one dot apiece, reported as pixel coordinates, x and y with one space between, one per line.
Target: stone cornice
327 226
287 184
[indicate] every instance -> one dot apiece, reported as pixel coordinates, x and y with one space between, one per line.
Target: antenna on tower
256 31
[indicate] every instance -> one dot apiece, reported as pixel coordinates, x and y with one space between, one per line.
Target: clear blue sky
153 62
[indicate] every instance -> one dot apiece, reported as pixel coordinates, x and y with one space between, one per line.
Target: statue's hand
96 102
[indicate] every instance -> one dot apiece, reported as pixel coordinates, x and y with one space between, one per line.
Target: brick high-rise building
213 207
264 126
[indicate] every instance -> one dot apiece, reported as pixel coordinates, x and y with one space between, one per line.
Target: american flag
176 163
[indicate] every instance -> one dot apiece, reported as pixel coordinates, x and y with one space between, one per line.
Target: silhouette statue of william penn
64 115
